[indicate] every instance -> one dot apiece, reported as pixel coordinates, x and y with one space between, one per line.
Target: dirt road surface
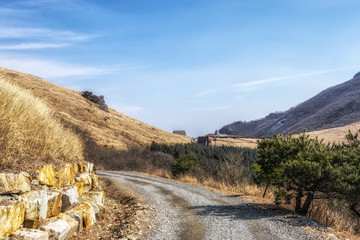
186 211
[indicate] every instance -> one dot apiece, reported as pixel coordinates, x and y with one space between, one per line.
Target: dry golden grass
249 190
110 129
30 134
336 135
330 135
235 142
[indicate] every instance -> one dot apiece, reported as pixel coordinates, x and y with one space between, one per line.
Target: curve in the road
185 211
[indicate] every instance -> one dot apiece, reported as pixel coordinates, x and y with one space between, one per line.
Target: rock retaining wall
49 204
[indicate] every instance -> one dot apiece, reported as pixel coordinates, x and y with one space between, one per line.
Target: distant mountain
334 107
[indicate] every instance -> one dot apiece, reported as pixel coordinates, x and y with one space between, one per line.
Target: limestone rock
46 175
65 176
58 229
97 199
29 234
14 183
86 179
36 206
89 167
11 218
86 167
72 223
53 203
70 197
95 207
88 213
35 182
94 180
77 215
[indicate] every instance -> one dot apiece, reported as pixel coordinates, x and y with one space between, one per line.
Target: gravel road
186 211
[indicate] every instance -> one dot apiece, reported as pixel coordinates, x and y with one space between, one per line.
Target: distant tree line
221 163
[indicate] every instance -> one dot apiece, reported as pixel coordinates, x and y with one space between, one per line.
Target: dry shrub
133 159
29 131
335 213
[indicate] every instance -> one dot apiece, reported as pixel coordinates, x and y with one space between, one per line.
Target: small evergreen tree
294 166
184 164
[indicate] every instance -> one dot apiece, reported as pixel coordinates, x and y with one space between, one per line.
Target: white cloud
52 69
24 46
42 33
277 79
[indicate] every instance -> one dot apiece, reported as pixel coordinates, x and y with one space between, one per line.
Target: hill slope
106 129
31 135
334 107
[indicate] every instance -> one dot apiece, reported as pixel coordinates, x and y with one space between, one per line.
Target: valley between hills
112 140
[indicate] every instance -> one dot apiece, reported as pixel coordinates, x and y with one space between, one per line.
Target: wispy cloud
53 69
43 33
277 79
24 46
39 38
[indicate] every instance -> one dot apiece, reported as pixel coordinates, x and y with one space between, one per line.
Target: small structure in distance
180 132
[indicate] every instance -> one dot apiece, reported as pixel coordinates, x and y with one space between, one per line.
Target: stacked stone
50 204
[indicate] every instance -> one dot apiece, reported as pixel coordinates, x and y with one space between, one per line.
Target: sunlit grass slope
30 134
111 129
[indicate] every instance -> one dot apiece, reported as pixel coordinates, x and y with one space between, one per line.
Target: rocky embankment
49 204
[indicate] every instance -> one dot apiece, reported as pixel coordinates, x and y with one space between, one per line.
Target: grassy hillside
336 106
337 134
107 129
30 134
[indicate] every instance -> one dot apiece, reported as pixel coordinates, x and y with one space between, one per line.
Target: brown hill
334 107
106 129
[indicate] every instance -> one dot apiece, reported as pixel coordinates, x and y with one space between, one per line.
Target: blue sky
186 64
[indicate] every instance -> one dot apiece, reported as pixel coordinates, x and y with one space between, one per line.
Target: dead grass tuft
29 131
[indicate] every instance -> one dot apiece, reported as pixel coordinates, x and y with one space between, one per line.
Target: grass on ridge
30 134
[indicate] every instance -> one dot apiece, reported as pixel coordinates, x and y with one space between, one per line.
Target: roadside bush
133 159
186 163
300 167
223 164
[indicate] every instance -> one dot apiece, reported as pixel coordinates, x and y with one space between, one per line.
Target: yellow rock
80 187
53 203
86 179
88 214
86 167
33 224
46 175
94 180
96 199
76 168
14 182
82 168
65 176
11 217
